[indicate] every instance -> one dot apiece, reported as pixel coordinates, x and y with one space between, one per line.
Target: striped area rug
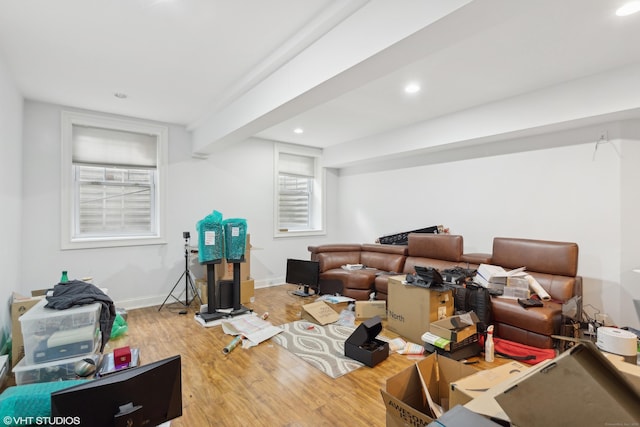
320 346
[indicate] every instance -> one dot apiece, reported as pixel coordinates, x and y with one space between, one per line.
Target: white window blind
93 145
295 190
114 174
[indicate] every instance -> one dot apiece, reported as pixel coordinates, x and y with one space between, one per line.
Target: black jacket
76 292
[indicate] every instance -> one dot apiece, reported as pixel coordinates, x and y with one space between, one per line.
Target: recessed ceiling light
298 130
120 95
412 88
628 8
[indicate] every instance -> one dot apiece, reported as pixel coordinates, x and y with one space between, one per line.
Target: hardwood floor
261 386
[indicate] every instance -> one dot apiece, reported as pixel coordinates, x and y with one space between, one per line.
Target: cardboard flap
319 312
579 387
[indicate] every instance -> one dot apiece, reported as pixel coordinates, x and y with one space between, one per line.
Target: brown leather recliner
554 265
357 284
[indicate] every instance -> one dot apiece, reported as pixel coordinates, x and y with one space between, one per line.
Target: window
299 196
112 173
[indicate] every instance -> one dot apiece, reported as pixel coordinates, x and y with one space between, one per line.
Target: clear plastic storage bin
57 370
51 334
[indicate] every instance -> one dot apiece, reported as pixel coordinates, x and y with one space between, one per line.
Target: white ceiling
232 69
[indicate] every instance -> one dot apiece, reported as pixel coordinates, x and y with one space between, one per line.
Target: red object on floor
520 352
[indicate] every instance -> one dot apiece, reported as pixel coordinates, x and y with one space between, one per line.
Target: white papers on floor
401 346
218 322
252 328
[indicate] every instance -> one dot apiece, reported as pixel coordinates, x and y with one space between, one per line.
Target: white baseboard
133 303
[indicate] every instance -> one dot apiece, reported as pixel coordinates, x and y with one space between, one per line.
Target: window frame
70 119
318 199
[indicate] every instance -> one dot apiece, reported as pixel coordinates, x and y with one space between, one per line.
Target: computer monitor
147 395
303 273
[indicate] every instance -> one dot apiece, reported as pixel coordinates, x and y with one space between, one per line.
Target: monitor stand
303 293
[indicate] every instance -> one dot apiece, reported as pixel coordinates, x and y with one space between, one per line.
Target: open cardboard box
468 388
363 346
455 328
580 387
419 394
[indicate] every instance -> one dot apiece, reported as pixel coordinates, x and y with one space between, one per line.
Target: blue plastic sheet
210 238
235 239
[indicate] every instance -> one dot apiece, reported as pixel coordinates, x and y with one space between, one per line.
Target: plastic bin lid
39 311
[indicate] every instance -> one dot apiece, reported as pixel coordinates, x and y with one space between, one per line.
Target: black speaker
225 294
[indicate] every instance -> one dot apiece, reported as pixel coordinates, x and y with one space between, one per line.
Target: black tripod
188 281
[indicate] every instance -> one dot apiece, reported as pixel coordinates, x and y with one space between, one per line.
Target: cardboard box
405 394
363 346
411 309
369 309
455 328
319 312
19 306
578 387
468 388
247 288
224 270
338 303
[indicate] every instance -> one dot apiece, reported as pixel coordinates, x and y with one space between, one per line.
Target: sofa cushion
373 256
445 247
543 256
542 320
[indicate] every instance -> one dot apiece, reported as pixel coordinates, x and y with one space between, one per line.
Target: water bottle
488 345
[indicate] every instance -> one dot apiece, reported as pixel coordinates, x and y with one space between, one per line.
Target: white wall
10 191
562 194
571 193
237 182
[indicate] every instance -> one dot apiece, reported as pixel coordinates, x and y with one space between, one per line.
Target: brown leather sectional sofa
553 264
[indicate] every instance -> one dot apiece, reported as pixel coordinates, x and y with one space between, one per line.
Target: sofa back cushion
444 247
331 260
542 256
383 257
553 264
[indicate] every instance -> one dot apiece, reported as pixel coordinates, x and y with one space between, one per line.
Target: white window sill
298 233
111 242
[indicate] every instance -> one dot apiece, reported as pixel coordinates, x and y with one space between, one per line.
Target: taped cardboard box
319 312
369 309
579 387
419 394
411 309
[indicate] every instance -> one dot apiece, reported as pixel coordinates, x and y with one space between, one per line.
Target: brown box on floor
408 393
410 309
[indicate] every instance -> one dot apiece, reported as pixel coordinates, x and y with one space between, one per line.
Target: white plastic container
51 334
57 370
